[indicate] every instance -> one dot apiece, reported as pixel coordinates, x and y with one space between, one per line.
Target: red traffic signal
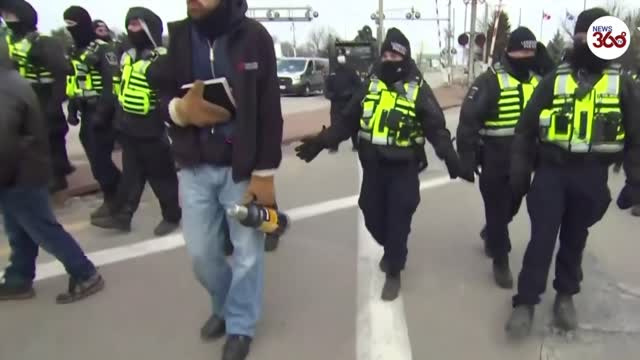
463 39
480 40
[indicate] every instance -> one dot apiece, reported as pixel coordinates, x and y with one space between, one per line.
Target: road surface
322 285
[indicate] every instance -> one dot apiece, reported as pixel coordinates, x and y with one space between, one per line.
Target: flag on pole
546 16
569 16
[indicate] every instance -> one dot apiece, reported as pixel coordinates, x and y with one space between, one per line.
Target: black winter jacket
24 148
258 123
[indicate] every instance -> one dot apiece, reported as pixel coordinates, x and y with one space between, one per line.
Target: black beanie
24 12
397 43
587 17
522 39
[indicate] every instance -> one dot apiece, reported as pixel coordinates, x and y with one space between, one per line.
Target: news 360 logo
608 37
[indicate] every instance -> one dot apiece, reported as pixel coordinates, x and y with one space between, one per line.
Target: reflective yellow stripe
19 52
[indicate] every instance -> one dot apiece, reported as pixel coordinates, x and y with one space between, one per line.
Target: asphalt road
322 285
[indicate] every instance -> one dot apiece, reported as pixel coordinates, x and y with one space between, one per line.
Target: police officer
392 115
340 85
580 119
487 124
41 60
91 94
146 153
624 201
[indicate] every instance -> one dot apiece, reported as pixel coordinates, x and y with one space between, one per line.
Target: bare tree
320 39
287 49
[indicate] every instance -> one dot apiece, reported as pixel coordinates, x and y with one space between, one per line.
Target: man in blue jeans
227 154
24 196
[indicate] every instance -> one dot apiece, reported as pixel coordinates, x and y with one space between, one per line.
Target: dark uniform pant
389 197
500 207
336 107
58 130
98 141
568 200
149 159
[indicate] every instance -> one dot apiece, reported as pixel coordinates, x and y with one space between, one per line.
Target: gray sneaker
391 288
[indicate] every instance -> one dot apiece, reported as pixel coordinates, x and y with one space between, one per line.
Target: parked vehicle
302 76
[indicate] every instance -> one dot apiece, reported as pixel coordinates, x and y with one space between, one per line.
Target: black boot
485 239
164 228
213 329
564 313
10 292
236 348
383 265
120 221
391 288
502 273
520 322
106 209
635 211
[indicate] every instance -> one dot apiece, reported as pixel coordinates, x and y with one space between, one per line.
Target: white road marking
381 327
156 245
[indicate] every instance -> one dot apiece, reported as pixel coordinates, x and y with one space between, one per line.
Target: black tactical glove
453 165
468 168
72 113
519 181
311 146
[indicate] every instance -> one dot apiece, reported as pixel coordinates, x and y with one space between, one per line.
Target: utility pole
380 23
486 23
472 38
293 30
449 54
585 5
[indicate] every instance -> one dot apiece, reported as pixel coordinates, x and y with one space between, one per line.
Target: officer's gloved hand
468 168
311 146
624 200
520 182
453 165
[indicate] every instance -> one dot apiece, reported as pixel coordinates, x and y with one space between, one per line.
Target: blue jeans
236 287
29 223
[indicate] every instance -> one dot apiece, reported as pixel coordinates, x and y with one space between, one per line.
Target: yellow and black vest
389 117
592 123
134 92
19 52
86 81
514 96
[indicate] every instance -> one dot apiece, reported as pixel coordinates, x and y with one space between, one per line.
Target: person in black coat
29 221
46 68
340 86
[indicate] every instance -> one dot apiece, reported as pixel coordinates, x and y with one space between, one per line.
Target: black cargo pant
568 200
389 197
98 141
500 206
336 107
148 159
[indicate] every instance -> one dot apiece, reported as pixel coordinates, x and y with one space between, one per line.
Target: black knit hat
522 39
97 23
397 43
587 17
23 11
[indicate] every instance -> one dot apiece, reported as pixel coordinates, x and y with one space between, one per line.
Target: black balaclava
26 14
141 39
581 56
521 39
99 23
393 71
82 33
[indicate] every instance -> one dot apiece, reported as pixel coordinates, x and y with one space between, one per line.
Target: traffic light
463 39
480 40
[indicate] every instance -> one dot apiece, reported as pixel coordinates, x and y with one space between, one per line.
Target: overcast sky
345 16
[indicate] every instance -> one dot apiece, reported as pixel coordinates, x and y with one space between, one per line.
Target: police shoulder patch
111 58
472 93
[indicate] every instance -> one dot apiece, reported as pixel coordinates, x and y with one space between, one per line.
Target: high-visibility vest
86 81
134 92
514 96
389 117
19 52
590 124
